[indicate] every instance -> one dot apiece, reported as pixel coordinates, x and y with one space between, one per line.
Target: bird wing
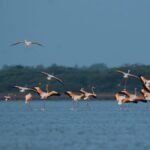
132 75
54 77
45 73
94 96
68 94
19 42
54 93
124 93
30 89
82 91
37 43
25 88
35 90
58 79
120 71
19 87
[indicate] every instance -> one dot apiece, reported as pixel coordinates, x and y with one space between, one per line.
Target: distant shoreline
20 96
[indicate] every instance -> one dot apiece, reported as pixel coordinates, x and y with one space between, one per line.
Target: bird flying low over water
74 96
145 82
45 95
27 43
125 97
7 97
52 77
121 98
87 95
22 89
146 94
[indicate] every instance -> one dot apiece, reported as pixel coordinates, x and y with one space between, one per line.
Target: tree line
105 79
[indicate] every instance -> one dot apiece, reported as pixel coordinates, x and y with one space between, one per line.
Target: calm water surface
102 126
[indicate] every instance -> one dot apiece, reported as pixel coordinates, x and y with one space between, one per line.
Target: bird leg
44 106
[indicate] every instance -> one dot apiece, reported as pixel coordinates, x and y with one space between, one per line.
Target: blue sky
81 32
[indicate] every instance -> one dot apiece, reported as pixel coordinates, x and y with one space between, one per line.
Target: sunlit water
101 126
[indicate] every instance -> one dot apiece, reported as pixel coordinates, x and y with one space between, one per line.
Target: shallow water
101 126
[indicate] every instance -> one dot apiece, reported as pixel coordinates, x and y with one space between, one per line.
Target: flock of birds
45 94
123 96
83 94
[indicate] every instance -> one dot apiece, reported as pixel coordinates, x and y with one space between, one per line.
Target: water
103 126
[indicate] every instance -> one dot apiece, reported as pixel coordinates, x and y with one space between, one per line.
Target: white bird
27 43
51 77
7 97
126 76
22 89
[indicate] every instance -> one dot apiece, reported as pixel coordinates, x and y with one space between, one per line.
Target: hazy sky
80 32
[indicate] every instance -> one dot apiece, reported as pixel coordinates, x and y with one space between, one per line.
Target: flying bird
75 97
126 76
133 97
27 43
87 95
22 89
7 97
146 94
121 98
52 77
45 95
145 82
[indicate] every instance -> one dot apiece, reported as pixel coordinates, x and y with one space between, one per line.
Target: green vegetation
105 79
